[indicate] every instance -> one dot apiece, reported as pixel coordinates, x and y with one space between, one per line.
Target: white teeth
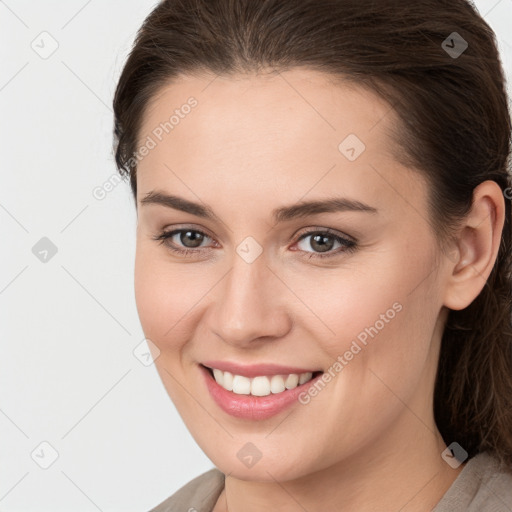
218 376
292 381
304 377
277 384
228 381
259 386
241 385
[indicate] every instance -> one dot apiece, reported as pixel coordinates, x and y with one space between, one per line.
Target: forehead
275 132
295 99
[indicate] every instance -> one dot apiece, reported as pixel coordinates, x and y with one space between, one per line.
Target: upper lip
255 370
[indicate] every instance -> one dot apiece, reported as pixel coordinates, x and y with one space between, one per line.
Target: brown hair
454 127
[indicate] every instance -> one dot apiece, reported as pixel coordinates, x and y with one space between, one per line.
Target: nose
250 305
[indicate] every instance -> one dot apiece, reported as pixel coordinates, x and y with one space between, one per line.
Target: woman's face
353 290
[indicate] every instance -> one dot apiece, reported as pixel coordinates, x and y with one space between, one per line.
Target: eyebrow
281 214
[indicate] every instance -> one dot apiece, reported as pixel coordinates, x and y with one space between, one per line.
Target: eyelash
347 244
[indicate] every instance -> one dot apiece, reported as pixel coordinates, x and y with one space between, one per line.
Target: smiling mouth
261 385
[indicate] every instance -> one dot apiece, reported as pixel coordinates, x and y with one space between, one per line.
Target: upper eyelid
329 231
175 230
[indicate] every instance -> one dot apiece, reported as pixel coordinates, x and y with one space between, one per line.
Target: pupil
195 237
320 242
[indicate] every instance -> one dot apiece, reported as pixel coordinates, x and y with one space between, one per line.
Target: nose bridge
247 305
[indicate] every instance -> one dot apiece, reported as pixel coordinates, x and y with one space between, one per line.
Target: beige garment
198 495
480 487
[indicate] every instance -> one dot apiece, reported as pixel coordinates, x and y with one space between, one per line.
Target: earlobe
478 243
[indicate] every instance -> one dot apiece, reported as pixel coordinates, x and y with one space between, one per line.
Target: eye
183 241
323 241
189 242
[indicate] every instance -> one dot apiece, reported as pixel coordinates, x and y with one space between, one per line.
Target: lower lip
253 407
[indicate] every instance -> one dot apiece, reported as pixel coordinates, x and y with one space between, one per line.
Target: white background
68 327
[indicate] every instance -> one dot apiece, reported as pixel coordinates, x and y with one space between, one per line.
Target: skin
258 142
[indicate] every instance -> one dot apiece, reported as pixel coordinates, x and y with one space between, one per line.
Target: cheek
383 325
159 294
376 300
381 321
170 297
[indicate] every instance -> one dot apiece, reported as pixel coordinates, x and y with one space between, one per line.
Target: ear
477 244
